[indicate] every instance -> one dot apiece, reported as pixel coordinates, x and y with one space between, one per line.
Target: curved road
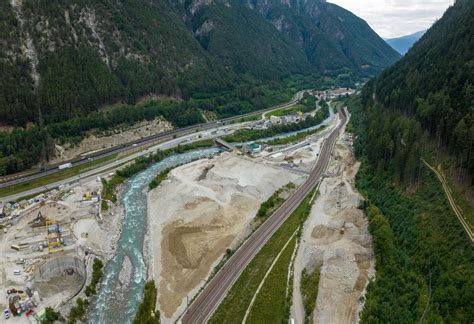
13 179
212 295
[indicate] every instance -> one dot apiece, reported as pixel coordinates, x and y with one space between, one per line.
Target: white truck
65 166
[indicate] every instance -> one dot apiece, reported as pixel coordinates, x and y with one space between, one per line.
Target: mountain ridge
403 43
321 27
69 59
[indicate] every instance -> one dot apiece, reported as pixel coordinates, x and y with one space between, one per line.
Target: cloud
393 18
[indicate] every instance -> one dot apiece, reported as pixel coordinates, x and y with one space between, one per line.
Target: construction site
336 243
204 208
47 243
209 206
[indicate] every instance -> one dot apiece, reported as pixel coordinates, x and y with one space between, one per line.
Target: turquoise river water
117 302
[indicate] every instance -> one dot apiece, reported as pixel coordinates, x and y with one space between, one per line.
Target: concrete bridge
224 144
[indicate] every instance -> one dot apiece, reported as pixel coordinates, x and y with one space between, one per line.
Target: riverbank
125 274
203 209
206 208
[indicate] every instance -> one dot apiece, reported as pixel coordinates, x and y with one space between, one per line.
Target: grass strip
61 175
159 178
306 104
245 119
273 203
146 310
97 275
286 111
246 135
233 307
270 305
309 291
294 138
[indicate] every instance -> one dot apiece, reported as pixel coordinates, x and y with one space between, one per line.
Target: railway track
11 180
212 295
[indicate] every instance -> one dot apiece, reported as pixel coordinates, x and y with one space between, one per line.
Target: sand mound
325 235
351 215
189 244
205 208
336 236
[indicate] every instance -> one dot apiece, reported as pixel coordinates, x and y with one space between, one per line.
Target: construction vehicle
39 221
53 236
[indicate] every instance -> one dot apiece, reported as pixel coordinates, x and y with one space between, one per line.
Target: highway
214 292
117 163
14 179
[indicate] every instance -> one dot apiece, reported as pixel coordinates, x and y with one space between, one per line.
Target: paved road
209 299
110 166
13 179
164 142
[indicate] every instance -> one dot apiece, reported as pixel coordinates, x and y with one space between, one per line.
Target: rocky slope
333 39
61 59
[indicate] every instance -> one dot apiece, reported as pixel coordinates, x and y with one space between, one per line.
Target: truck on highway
65 166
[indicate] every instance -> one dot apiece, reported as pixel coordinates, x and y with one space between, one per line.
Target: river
117 302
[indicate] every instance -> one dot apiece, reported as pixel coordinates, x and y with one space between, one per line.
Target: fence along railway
212 295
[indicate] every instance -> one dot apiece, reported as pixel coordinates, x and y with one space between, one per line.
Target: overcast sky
393 18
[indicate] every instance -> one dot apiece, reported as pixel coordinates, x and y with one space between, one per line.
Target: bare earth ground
204 208
93 143
80 231
336 238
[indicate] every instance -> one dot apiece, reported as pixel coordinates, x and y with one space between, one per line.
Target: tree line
423 257
434 85
25 148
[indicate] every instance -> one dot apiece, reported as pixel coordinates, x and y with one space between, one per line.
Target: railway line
7 181
212 295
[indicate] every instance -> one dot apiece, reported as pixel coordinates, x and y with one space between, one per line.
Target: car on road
6 314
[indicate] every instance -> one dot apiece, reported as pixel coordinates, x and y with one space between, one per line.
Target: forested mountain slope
241 40
333 39
421 108
61 59
434 85
88 53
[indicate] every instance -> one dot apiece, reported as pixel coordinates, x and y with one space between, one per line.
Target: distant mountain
404 43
